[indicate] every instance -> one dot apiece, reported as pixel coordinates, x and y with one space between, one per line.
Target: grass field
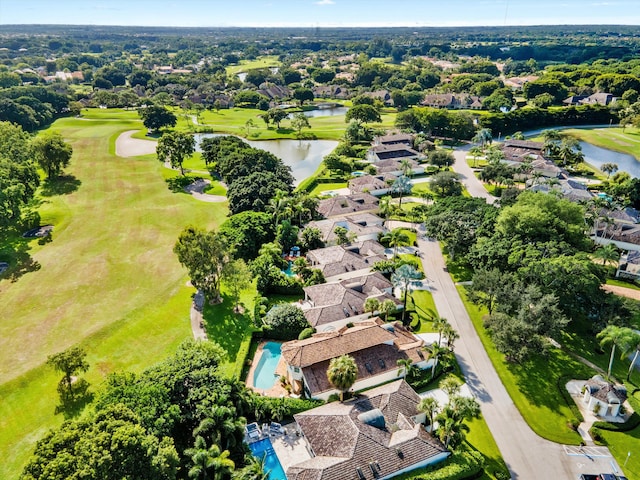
611 138
233 121
108 281
246 65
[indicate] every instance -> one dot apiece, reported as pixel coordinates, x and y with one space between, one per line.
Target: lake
325 112
303 156
598 156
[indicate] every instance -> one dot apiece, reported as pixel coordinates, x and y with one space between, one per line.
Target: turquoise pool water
272 464
264 376
289 270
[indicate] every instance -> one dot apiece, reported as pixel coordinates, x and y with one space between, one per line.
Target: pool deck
290 448
277 390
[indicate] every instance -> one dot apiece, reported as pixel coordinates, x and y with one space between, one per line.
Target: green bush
459 466
596 435
285 322
306 333
633 422
177 184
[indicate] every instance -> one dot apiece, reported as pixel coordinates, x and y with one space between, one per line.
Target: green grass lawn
622 283
321 188
532 386
479 438
108 281
610 138
260 62
421 301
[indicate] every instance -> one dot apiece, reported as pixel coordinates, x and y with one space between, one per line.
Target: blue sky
341 13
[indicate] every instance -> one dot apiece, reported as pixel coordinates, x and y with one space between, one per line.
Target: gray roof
605 391
341 205
345 445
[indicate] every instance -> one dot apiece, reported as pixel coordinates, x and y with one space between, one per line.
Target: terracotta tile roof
344 444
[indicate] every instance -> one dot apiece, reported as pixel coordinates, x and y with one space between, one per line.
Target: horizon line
333 26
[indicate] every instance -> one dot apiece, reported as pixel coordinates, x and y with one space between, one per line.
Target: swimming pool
271 464
264 376
289 270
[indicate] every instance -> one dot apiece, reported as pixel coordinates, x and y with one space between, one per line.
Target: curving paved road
527 455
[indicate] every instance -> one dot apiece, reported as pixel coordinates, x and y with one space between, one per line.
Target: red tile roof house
360 227
342 205
375 346
329 306
375 436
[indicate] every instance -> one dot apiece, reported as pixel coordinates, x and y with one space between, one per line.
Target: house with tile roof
376 185
602 397
329 306
378 435
342 205
394 139
393 166
375 346
360 227
452 101
339 262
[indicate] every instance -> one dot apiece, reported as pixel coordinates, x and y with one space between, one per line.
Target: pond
597 156
303 156
325 112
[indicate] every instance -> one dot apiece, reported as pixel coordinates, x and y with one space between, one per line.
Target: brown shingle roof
347 204
353 444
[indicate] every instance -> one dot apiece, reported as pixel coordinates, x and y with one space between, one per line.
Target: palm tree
607 253
385 206
342 373
209 463
609 168
396 238
256 469
450 335
439 324
387 308
483 137
401 278
371 305
435 352
406 168
450 386
430 406
401 185
621 337
405 367
634 341
475 153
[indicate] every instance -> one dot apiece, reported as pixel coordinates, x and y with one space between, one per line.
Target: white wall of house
600 408
620 245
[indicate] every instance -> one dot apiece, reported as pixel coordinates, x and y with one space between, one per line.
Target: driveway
527 455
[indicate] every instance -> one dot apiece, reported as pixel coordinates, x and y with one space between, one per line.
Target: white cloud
325 2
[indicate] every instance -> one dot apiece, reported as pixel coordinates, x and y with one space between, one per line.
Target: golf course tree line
178 419
20 156
532 269
265 221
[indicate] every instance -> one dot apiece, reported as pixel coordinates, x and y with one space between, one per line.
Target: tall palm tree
609 168
396 238
406 168
620 337
450 335
634 341
450 386
435 352
387 308
430 406
401 278
607 253
401 185
439 324
475 153
385 206
342 373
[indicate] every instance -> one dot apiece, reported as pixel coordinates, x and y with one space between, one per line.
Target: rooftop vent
373 417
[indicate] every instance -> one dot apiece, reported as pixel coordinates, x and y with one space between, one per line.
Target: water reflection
598 156
303 156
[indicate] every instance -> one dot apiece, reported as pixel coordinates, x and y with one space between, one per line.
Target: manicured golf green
108 281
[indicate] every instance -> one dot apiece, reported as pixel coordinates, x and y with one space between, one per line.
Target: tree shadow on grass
73 407
226 328
14 250
62 185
